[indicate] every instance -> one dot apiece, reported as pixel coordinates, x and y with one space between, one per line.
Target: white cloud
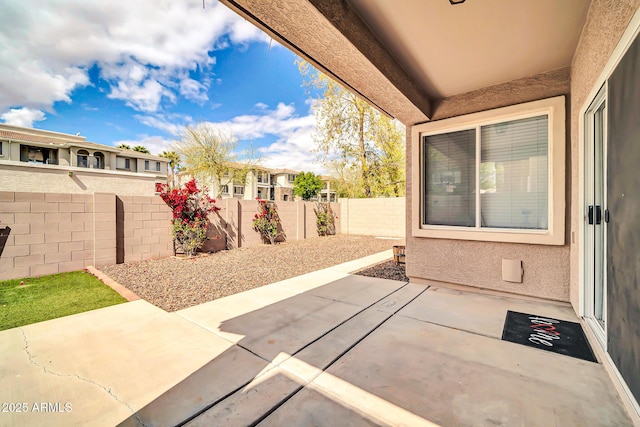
22 117
261 106
294 143
145 49
167 123
294 140
193 90
155 144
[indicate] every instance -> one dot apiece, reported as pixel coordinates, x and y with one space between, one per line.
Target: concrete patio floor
325 348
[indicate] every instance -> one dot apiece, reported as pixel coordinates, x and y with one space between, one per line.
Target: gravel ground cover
386 270
174 284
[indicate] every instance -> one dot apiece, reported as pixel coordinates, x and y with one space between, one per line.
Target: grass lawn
26 301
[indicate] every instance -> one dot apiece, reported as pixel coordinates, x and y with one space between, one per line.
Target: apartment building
34 160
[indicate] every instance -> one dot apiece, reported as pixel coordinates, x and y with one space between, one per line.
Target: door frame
629 35
588 268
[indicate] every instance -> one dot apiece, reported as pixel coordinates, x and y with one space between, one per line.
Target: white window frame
224 189
554 108
240 187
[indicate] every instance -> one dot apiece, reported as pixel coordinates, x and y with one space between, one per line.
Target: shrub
267 222
325 219
191 207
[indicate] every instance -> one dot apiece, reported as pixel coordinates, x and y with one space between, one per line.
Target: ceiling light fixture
456 1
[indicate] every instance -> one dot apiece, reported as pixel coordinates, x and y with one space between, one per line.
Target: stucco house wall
448 261
20 177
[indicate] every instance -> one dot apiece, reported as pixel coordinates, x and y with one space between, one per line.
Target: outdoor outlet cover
512 270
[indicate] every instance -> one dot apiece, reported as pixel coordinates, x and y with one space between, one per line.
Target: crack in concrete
48 371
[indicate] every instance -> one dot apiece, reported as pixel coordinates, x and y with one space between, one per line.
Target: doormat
558 336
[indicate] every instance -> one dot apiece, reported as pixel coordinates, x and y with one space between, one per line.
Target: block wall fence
54 233
231 225
384 217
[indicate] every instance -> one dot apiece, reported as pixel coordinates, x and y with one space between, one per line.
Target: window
260 179
488 176
238 190
1 144
38 155
151 166
123 163
97 160
291 177
83 159
224 189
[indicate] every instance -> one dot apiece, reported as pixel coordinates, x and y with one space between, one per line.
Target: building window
97 161
151 166
285 197
291 177
38 155
1 144
123 163
224 189
82 159
260 177
238 190
487 176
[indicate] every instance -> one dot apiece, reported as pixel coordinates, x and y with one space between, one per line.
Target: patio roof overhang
409 58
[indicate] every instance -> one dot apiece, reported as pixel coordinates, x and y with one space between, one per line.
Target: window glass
450 179
514 174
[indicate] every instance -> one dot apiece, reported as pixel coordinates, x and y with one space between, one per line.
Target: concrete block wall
143 228
233 223
383 217
54 233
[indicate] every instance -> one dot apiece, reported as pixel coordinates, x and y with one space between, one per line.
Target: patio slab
412 372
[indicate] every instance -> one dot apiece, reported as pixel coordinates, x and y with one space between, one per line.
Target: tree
307 185
141 149
356 139
174 165
210 154
124 146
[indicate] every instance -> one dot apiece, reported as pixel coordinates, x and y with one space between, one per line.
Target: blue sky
137 71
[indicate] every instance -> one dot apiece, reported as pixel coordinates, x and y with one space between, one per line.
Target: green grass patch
26 301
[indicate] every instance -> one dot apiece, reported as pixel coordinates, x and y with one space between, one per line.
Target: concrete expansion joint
30 357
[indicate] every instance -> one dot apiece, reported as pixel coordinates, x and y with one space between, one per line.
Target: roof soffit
313 34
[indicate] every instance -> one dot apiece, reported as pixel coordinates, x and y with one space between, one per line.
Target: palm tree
141 149
174 164
124 146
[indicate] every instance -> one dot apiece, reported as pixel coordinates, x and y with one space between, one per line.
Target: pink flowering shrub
191 207
266 221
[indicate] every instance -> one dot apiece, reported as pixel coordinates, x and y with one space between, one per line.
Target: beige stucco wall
373 217
24 177
479 264
606 22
